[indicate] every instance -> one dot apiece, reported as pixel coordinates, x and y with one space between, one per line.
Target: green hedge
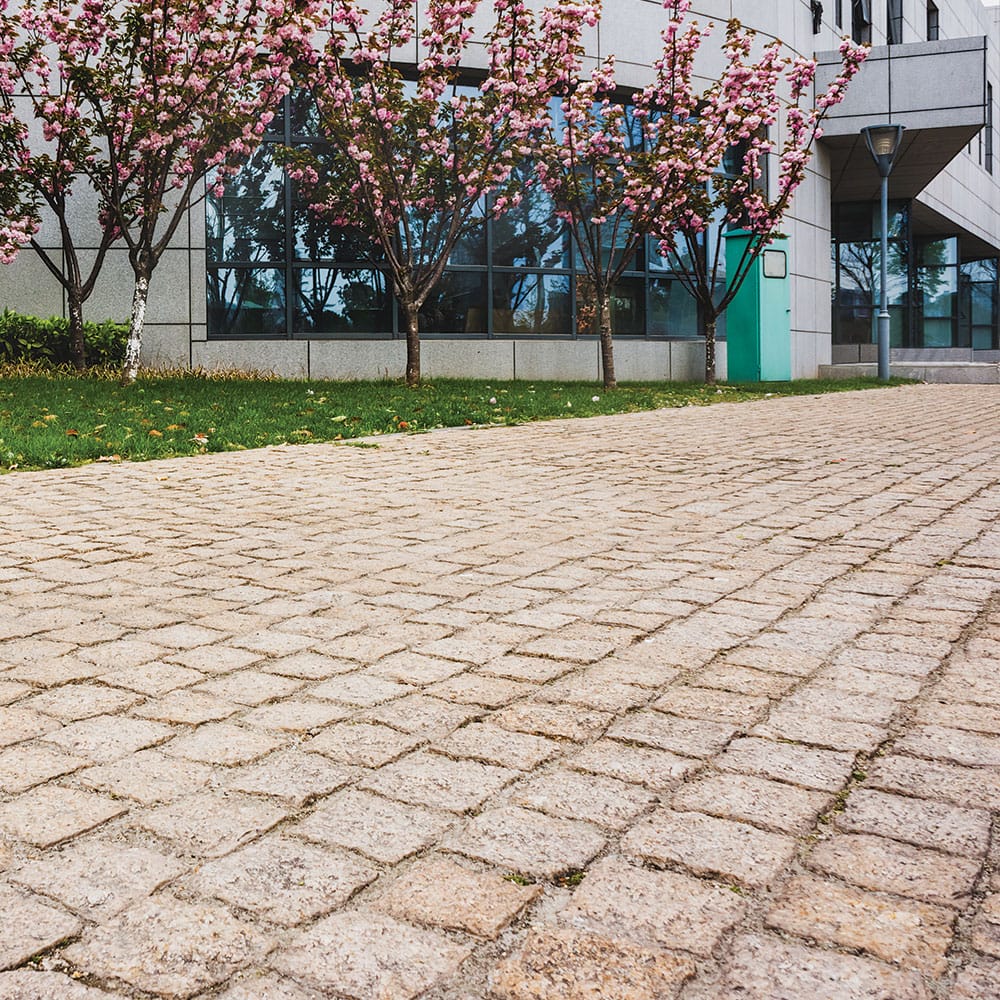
28 338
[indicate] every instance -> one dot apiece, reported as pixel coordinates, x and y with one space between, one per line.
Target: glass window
894 21
527 304
861 21
672 310
933 22
331 301
988 131
471 246
979 305
275 270
247 224
457 305
939 305
246 302
628 308
530 235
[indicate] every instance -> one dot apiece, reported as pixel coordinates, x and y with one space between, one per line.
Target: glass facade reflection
274 271
936 299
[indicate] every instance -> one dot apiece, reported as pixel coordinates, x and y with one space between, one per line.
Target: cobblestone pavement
698 703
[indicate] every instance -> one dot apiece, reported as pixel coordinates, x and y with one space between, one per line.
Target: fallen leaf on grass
154 433
72 433
109 458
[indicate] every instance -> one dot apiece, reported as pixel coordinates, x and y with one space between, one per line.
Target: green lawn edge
56 419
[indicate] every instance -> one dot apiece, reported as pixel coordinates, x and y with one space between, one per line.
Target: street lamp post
883 143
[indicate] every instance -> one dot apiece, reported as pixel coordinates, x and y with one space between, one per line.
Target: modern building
255 283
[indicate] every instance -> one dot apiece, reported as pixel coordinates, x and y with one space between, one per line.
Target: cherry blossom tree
412 157
39 173
623 168
737 119
166 98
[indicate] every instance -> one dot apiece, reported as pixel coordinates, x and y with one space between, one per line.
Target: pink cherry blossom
619 174
414 163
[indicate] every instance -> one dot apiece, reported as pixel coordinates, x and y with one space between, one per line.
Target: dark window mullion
289 230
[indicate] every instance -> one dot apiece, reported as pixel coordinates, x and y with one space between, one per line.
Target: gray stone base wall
635 361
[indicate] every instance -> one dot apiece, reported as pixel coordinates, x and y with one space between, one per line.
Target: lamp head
883 143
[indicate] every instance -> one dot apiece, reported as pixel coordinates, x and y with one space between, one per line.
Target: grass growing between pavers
54 419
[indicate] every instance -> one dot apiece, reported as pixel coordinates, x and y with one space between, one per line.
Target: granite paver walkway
697 703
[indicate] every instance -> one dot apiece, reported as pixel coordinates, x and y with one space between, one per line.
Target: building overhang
936 89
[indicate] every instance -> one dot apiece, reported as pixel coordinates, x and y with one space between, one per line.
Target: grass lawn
55 419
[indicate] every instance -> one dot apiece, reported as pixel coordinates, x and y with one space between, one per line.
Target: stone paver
362 955
965 832
529 842
698 704
444 894
710 846
210 824
284 879
50 814
25 984
99 878
890 866
31 925
169 947
569 965
809 973
913 935
657 909
379 828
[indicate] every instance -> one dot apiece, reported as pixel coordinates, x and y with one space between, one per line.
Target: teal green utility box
759 319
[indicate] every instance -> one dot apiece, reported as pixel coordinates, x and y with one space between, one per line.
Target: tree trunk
130 367
412 345
710 352
77 346
607 343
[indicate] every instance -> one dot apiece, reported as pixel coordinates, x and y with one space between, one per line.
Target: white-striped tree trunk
130 367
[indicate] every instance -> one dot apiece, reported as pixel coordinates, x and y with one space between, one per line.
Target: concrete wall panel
557 360
467 359
288 358
355 359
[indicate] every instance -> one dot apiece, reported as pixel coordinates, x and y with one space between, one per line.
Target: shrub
29 338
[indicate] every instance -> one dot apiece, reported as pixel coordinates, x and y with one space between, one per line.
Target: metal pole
883 316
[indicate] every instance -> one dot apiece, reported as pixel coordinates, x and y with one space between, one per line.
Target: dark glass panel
980 270
859 268
530 235
316 239
248 222
938 253
332 301
246 302
854 324
628 308
862 220
527 304
672 310
659 261
608 236
457 305
304 115
471 246
276 126
939 304
426 235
